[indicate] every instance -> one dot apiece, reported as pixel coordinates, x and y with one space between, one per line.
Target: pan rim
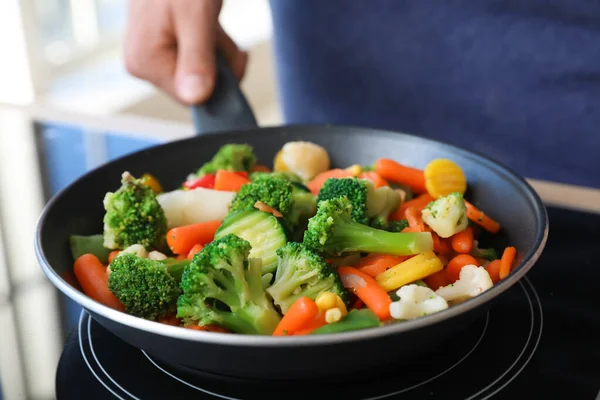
90 305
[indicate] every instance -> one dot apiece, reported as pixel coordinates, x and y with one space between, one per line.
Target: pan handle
227 108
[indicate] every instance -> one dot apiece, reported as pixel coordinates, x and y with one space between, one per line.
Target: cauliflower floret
156 255
305 159
136 249
446 215
472 281
416 301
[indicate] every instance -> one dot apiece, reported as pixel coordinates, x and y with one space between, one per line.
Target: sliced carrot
437 280
91 275
375 264
479 217
506 261
208 328
367 289
181 257
415 222
298 316
419 203
462 242
440 245
170 320
317 322
261 168
229 181
182 238
112 255
378 180
493 269
195 250
456 264
402 174
317 183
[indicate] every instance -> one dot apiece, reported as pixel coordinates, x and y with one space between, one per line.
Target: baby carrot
375 264
481 219
462 242
437 280
440 245
419 203
368 290
261 168
395 172
415 222
91 275
317 322
493 269
506 262
196 249
297 317
456 264
182 238
318 181
229 181
378 180
170 320
112 255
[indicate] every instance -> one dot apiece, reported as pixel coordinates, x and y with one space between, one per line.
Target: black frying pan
78 210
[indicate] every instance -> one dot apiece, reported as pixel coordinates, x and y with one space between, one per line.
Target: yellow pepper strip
151 181
443 176
413 269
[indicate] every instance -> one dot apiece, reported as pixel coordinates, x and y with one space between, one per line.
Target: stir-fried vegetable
298 249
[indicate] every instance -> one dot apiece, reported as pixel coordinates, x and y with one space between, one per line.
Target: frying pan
227 118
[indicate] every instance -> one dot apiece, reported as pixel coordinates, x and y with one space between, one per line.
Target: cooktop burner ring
520 361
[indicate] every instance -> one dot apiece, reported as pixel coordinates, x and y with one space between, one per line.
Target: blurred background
67 105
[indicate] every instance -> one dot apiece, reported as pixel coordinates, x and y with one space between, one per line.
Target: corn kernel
333 315
355 169
326 300
443 176
339 303
278 163
154 184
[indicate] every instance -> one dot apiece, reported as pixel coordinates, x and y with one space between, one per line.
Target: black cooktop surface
540 340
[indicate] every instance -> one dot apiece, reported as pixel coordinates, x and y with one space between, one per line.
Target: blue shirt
518 80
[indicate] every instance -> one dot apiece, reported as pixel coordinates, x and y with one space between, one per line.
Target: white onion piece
353 281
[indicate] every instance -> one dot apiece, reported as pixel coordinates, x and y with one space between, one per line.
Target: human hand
172 44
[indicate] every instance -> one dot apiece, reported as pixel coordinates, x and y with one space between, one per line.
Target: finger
196 29
236 58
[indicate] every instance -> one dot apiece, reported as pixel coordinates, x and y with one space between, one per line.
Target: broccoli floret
447 215
230 157
147 288
133 216
222 286
332 231
302 273
370 206
489 254
390 226
288 176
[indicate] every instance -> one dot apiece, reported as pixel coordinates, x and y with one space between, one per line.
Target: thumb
196 23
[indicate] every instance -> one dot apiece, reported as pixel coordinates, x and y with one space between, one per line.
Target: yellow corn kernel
333 315
443 176
151 181
413 269
339 303
355 169
278 164
326 300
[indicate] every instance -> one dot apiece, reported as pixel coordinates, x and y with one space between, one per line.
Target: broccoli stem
354 236
93 244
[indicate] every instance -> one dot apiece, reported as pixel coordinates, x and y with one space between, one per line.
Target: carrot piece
297 317
375 264
91 275
317 183
415 222
182 238
208 328
419 203
229 181
462 242
194 250
506 261
368 290
112 255
378 180
437 280
181 257
317 322
170 320
261 168
455 265
358 304
479 217
440 245
493 269
395 172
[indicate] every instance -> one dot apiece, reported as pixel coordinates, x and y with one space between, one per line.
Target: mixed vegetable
301 249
